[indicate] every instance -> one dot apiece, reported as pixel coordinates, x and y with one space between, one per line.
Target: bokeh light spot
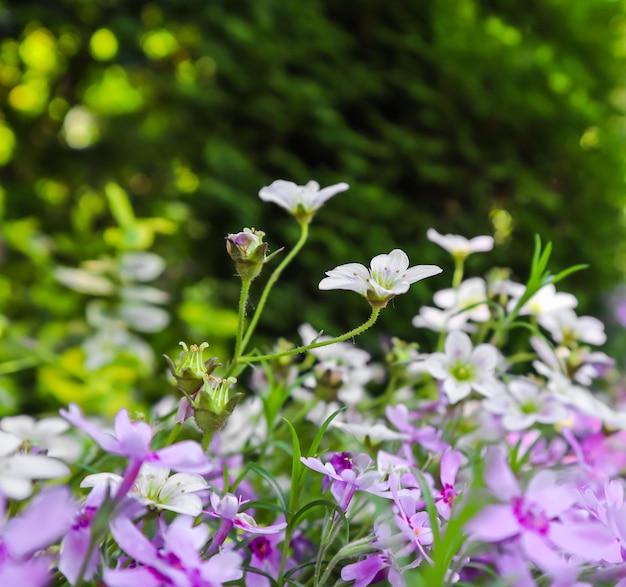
103 45
80 128
159 44
7 144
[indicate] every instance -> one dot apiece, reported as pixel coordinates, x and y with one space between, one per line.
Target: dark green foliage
436 112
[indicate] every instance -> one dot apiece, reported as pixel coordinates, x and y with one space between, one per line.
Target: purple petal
74 549
107 442
590 541
45 520
552 498
494 523
498 475
184 457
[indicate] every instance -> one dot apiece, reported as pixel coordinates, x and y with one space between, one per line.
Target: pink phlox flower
40 524
382 565
133 439
347 472
227 508
533 517
445 499
266 556
428 437
177 562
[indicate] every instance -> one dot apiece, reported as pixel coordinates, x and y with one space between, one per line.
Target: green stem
270 283
243 299
315 345
458 272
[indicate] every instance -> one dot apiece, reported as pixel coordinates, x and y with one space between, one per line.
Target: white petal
327 193
481 243
100 479
397 260
284 193
485 357
420 272
8 443
34 467
351 276
20 426
15 487
458 345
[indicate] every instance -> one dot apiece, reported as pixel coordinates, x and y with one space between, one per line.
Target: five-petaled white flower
300 200
388 276
463 368
459 246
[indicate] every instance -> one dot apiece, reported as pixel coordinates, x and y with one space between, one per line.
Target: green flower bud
212 405
191 368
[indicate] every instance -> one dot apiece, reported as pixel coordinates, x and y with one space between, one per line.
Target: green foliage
472 117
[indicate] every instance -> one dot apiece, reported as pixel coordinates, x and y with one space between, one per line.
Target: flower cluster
496 452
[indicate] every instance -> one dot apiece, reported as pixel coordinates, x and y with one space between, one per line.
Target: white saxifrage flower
300 200
156 488
19 470
567 328
388 276
459 246
545 301
524 405
463 368
469 299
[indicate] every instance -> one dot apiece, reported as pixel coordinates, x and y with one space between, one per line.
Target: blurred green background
132 126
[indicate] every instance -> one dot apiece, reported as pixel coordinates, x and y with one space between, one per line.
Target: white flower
388 276
459 246
463 368
19 470
545 301
154 487
441 320
567 328
43 436
300 200
471 294
524 405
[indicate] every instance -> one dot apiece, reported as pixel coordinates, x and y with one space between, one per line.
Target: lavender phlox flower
300 200
40 524
445 499
405 421
399 472
463 368
266 556
468 300
532 518
178 562
346 473
227 508
18 470
388 276
441 320
43 436
133 439
568 329
544 301
459 246
525 404
413 521
76 542
154 487
382 565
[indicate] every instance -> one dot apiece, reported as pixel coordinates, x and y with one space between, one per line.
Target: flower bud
247 250
212 405
191 368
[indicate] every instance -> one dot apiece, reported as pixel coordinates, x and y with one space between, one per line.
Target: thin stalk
243 300
270 283
301 349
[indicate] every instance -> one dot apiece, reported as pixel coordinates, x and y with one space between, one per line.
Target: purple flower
532 518
348 472
177 562
132 440
450 463
48 516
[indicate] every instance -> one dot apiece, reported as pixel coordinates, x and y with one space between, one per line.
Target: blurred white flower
469 300
44 436
459 246
300 200
388 276
141 266
441 320
567 328
545 301
19 470
524 405
463 368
